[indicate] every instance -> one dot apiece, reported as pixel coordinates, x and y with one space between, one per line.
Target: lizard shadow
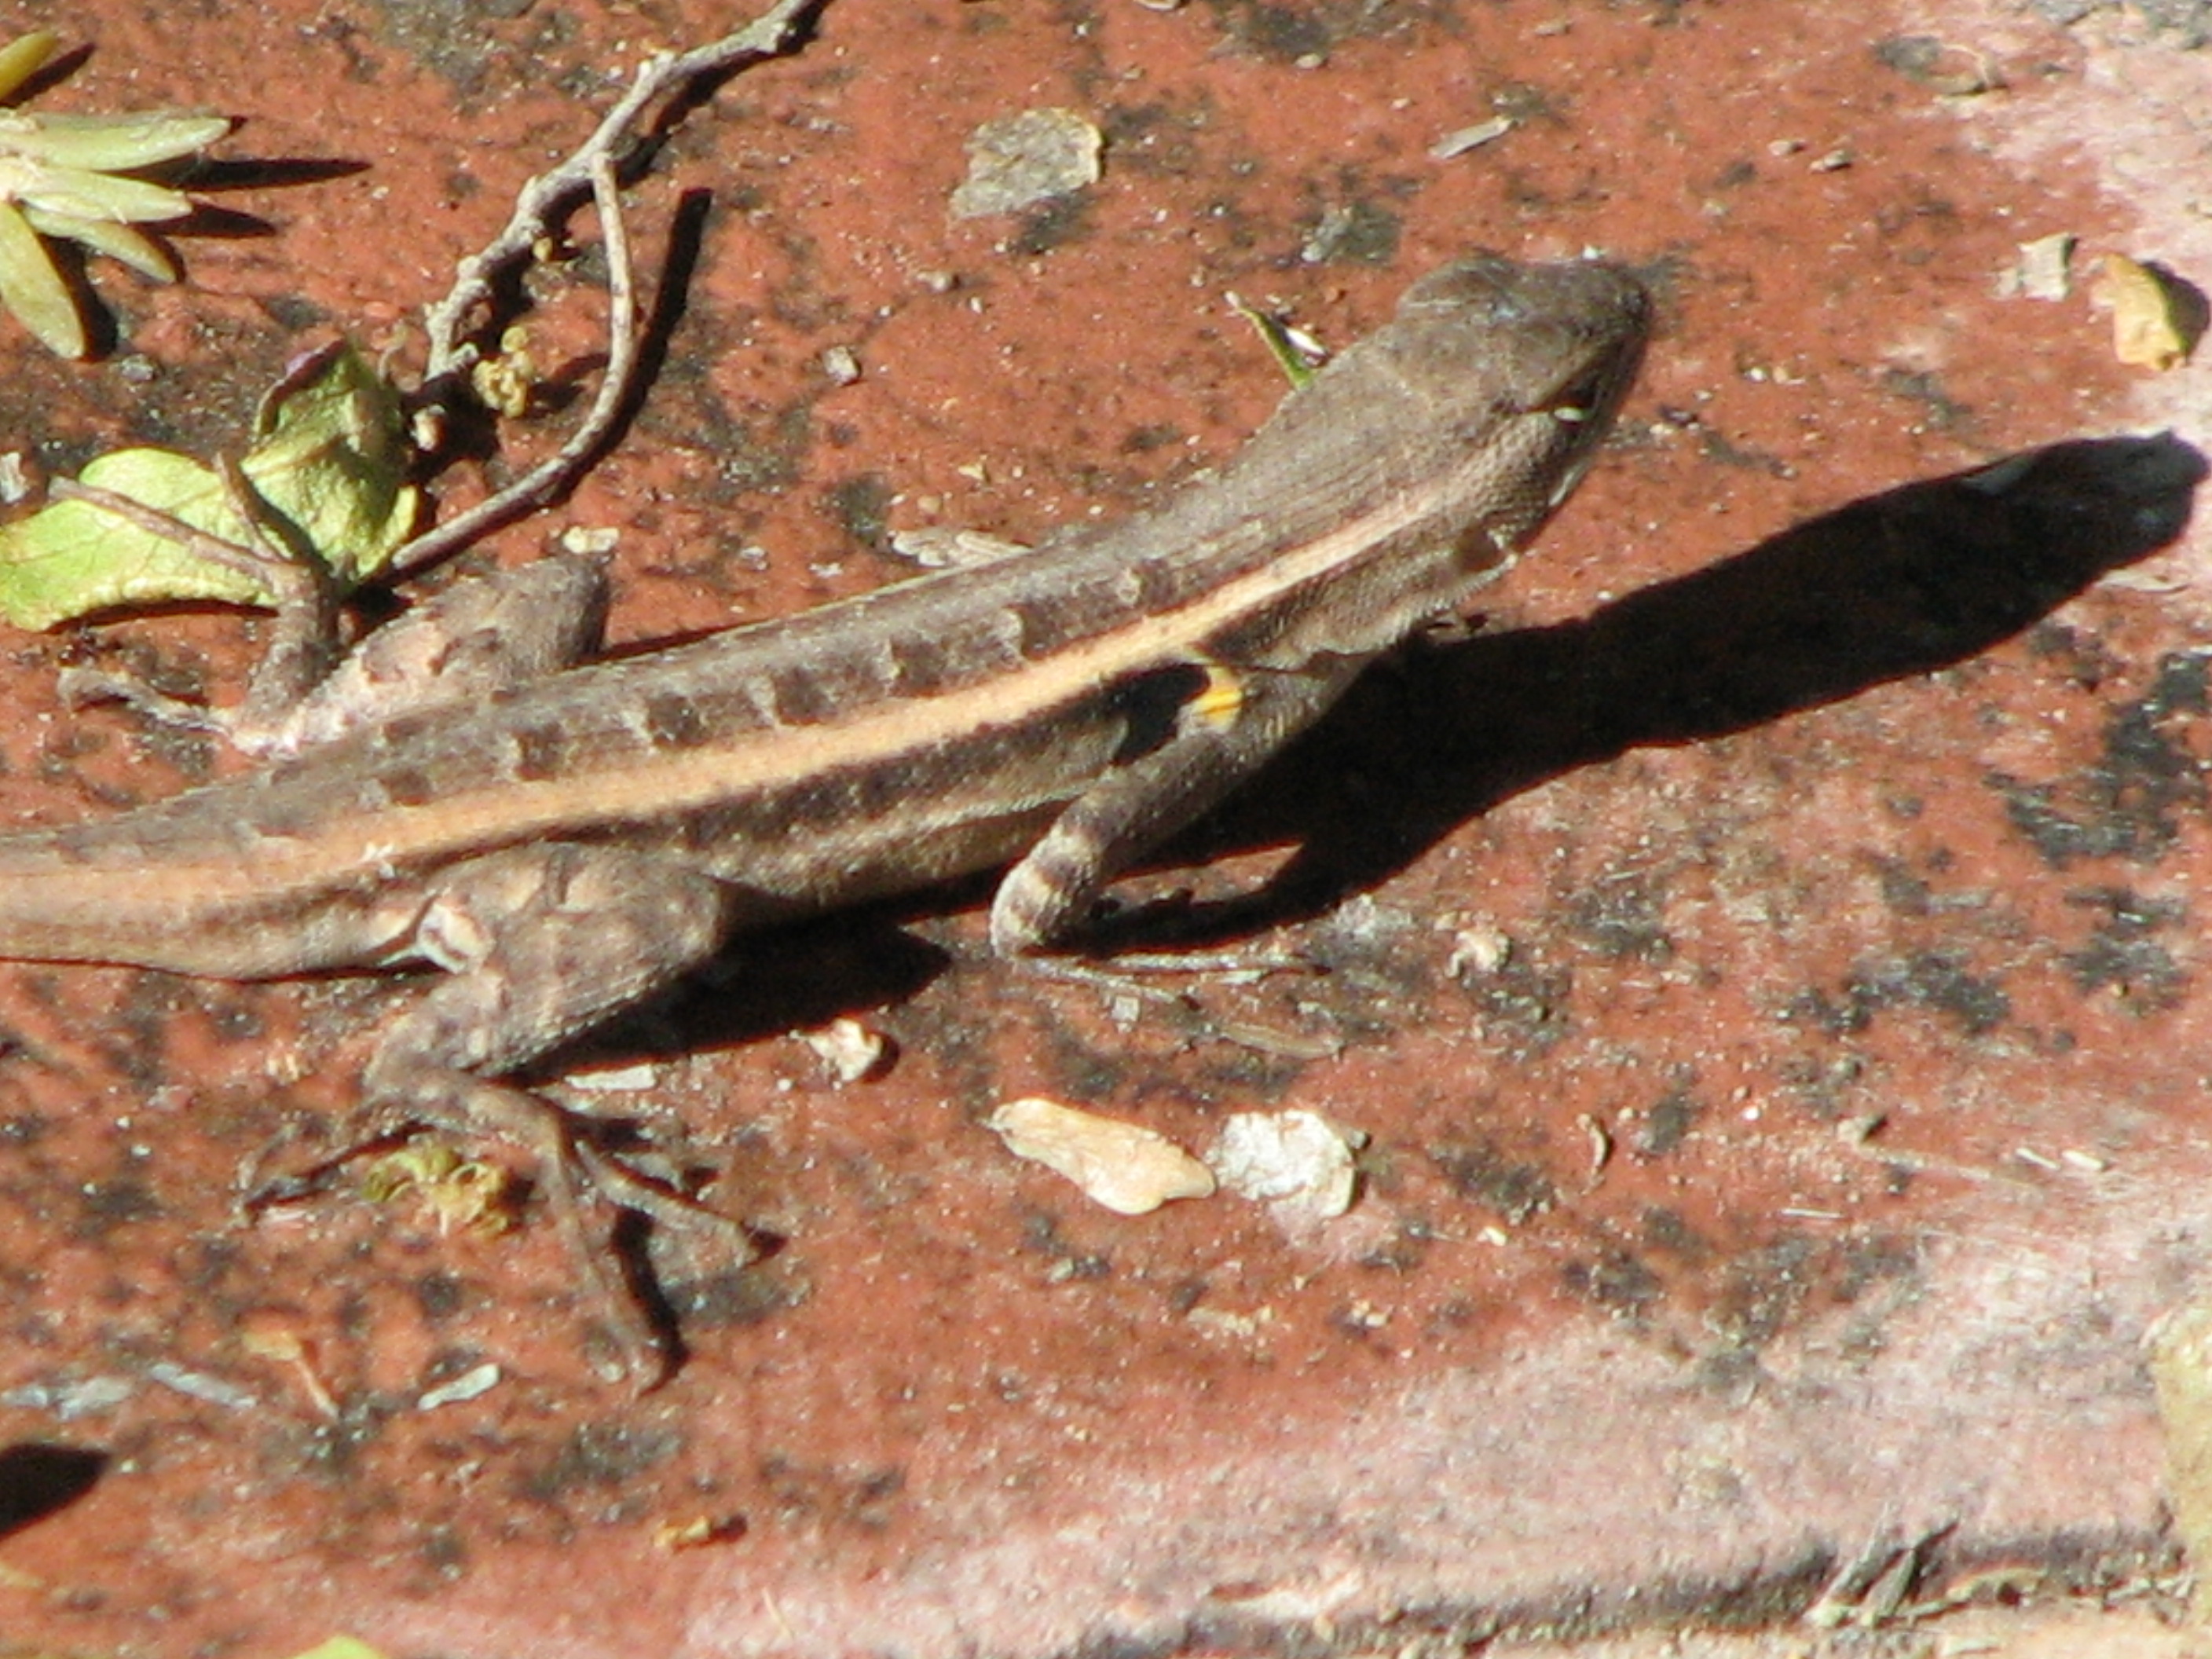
37 1479
1900 584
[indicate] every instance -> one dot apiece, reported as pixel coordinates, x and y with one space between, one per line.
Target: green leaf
332 457
1297 367
328 468
72 557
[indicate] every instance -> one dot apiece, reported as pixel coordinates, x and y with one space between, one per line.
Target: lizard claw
572 1169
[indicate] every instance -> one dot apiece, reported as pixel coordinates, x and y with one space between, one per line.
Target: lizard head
1531 362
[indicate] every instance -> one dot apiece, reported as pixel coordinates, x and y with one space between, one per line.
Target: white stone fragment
1297 1162
849 1050
1468 138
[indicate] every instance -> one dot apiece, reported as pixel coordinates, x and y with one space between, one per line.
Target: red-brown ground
1765 961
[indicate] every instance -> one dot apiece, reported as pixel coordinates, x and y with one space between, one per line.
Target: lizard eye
1580 400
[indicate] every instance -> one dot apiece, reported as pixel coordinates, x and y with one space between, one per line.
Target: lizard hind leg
542 944
478 635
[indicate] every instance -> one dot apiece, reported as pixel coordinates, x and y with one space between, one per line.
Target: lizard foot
573 1174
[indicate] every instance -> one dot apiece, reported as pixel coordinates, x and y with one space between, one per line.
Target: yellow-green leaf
109 143
119 242
80 193
33 290
328 468
23 56
72 558
331 457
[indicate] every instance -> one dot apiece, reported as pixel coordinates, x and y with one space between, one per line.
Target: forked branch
597 166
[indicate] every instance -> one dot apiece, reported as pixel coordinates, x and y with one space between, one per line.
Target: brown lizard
576 838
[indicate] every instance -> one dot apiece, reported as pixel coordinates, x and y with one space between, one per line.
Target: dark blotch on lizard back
675 721
919 665
817 807
402 729
877 791
537 752
1041 624
406 785
800 698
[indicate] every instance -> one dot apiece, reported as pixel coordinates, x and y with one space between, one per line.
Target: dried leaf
1124 1166
694 1532
1297 1161
852 1052
1468 138
939 548
2149 330
471 1384
2044 271
1016 162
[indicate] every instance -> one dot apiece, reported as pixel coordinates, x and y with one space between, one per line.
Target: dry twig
597 166
559 470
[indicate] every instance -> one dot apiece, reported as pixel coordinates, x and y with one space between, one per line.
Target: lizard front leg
542 944
1197 732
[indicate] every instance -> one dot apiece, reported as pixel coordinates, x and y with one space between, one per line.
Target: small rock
1018 160
1298 1162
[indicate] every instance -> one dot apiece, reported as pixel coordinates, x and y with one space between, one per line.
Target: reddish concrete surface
1764 959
